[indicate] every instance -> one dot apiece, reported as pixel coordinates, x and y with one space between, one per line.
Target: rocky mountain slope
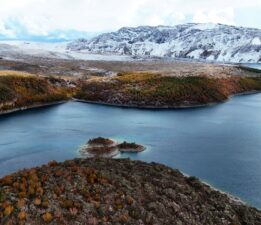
212 42
109 191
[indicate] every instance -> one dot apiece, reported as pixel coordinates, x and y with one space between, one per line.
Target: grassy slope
19 90
144 89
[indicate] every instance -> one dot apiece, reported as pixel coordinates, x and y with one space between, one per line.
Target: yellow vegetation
8 210
22 89
22 215
15 73
136 76
47 217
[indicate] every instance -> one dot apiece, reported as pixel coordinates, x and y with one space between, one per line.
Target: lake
220 144
252 65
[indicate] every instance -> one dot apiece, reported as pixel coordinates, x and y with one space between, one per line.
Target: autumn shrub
155 89
29 90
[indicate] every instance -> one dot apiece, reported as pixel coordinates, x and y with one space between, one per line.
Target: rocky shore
114 192
4 112
145 106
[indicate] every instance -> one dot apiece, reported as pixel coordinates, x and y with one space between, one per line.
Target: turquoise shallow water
219 144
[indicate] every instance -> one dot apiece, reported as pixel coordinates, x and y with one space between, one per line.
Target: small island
101 141
108 148
130 147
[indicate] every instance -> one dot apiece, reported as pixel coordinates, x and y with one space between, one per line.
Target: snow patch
256 41
205 26
195 54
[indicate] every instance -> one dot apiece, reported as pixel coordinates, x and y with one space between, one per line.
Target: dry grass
136 76
14 73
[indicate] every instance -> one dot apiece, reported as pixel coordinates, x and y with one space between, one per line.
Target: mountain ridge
210 42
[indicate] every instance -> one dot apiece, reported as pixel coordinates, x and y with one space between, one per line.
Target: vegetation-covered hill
135 89
21 90
155 90
109 191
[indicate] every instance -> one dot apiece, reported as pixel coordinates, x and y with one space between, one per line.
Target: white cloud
224 16
43 16
6 32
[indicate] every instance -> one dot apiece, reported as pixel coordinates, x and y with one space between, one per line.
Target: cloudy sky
41 17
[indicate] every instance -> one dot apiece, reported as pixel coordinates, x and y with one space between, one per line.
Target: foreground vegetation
109 191
155 90
19 90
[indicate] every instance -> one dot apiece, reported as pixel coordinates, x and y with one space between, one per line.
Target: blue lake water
219 144
252 65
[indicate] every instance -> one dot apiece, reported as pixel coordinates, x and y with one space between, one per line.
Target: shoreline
145 106
232 197
6 112
166 106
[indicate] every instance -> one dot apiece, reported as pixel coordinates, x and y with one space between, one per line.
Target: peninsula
110 191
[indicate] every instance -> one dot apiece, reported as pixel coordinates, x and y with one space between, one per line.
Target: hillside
211 42
109 191
181 87
156 90
18 90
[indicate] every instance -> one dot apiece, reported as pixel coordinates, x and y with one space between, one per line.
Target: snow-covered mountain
213 42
